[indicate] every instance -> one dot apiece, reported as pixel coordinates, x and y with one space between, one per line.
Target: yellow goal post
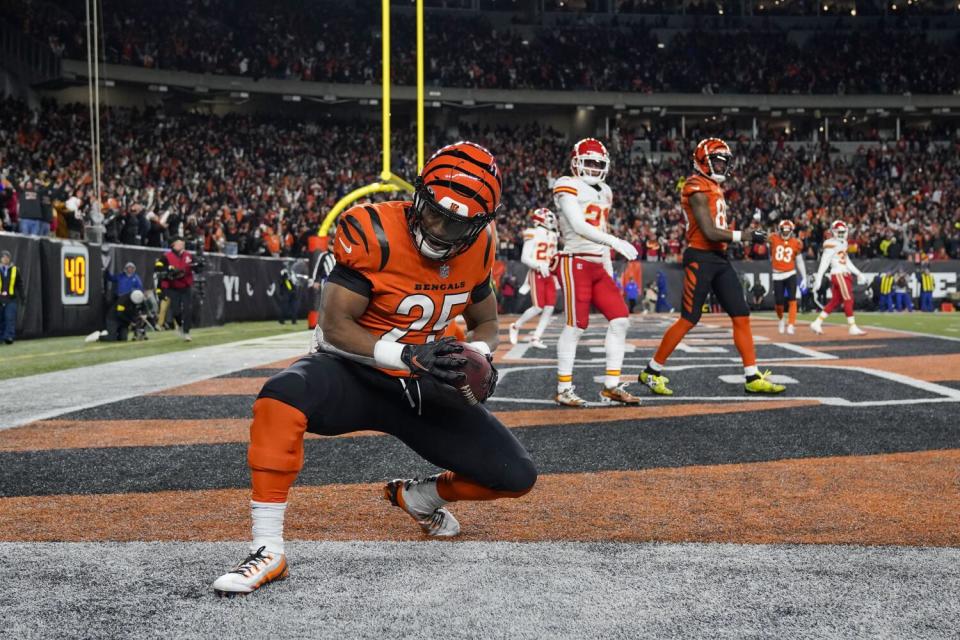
389 182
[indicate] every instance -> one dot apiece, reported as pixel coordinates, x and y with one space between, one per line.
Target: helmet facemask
592 168
439 231
719 165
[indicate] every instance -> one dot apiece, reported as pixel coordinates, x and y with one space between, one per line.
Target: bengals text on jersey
413 299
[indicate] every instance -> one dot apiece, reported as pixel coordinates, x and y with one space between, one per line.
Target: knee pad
619 326
276 436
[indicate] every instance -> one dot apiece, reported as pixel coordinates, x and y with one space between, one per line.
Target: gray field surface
484 590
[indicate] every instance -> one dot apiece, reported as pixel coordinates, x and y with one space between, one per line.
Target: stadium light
291 98
853 11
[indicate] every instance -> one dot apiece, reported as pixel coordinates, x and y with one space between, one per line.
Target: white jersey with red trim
835 254
592 204
539 247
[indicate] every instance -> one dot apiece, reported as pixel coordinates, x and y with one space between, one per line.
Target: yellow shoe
657 384
762 385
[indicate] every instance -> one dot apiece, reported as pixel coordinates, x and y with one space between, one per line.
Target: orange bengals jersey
783 253
718 211
413 299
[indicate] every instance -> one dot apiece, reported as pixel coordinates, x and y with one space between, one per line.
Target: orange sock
275 454
452 487
792 306
743 338
779 309
671 339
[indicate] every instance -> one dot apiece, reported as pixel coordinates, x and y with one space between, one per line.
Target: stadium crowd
264 182
255 39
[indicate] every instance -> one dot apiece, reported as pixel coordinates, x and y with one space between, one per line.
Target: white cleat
568 398
537 343
438 523
856 331
791 330
782 325
514 334
257 569
817 327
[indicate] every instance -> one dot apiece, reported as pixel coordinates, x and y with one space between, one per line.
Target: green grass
28 357
937 324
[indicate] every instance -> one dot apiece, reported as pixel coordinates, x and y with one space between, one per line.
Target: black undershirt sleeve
351 279
482 290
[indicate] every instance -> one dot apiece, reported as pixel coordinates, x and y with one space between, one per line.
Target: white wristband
737 236
387 355
481 346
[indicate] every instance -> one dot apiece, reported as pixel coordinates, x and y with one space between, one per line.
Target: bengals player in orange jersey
404 272
706 268
786 258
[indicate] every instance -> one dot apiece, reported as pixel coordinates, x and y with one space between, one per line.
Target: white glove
624 248
861 279
544 270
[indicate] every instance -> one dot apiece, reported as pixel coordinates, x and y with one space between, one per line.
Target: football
479 382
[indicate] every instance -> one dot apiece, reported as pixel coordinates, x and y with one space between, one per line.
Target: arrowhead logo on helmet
457 195
839 229
545 218
712 159
590 161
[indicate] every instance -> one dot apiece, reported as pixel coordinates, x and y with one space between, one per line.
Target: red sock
743 338
452 487
671 339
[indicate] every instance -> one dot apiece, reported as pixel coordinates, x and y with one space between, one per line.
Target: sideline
46 395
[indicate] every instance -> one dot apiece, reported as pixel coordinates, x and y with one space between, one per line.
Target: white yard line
47 395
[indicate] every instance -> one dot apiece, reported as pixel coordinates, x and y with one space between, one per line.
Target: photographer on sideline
178 284
11 290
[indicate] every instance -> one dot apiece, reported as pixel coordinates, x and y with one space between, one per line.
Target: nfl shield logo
444 271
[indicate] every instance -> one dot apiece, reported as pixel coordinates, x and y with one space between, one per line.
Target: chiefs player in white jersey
586 271
836 260
539 249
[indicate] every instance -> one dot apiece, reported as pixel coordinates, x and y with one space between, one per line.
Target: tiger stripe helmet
456 196
545 218
712 159
786 229
590 161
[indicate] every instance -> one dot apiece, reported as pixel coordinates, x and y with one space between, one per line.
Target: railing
30 59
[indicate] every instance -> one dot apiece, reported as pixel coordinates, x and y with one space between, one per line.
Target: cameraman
177 284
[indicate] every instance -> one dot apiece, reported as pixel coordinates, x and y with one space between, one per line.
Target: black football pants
340 396
706 271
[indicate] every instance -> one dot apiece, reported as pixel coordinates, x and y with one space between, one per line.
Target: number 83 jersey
412 298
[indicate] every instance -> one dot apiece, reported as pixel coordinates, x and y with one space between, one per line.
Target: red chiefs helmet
590 161
839 229
545 218
457 194
786 228
712 159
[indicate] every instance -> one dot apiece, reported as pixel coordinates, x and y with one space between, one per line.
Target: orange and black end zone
172 466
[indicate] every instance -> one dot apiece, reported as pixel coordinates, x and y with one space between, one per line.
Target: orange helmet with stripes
590 161
786 229
457 195
712 159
